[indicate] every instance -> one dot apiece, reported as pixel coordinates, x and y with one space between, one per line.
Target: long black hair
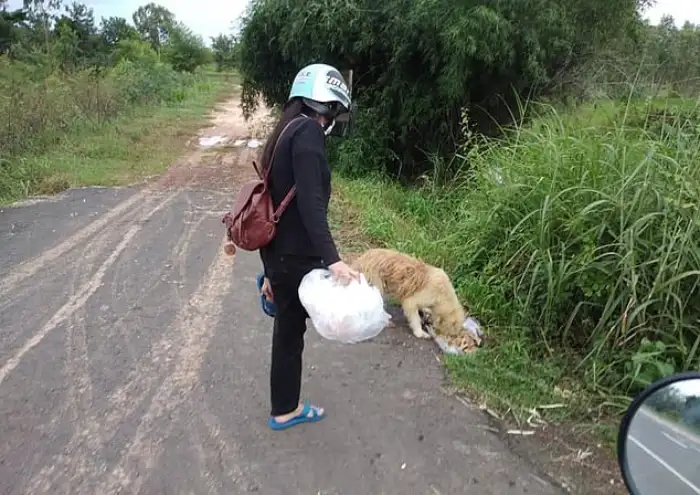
291 109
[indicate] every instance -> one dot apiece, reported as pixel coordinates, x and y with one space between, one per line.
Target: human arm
308 164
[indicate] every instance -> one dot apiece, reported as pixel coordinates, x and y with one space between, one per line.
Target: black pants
285 274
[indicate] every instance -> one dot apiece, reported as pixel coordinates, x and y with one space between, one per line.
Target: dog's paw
422 335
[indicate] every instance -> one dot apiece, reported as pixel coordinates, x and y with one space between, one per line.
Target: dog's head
449 320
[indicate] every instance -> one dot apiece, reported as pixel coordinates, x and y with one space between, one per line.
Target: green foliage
53 35
134 50
417 64
654 60
37 107
577 237
185 51
59 72
117 29
366 149
226 52
153 22
10 22
574 235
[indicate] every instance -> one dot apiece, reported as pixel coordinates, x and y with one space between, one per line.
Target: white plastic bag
346 313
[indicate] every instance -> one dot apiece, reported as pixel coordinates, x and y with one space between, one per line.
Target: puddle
209 141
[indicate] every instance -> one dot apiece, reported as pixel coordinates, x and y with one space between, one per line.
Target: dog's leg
410 309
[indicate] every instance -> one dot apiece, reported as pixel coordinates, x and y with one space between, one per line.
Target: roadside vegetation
84 102
544 155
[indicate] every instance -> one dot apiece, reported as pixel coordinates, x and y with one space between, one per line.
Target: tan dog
418 286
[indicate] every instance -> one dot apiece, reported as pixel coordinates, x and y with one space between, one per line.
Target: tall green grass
576 239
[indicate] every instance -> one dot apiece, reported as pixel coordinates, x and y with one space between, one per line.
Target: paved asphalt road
134 359
663 459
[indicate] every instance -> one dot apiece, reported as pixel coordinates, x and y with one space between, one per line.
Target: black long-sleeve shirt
303 228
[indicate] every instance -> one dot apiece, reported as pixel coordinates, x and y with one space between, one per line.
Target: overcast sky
689 387
211 17
681 10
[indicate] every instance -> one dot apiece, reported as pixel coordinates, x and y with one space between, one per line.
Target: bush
366 149
148 84
134 50
38 109
417 64
185 51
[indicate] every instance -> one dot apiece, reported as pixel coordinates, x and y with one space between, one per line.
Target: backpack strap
265 173
290 195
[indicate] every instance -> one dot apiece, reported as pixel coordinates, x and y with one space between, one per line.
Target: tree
11 22
41 14
76 28
418 64
153 22
224 48
134 50
116 29
185 50
667 399
66 47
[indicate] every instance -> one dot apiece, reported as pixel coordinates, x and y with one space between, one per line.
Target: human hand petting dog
341 272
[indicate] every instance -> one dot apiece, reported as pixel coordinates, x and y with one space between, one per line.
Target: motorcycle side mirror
658 444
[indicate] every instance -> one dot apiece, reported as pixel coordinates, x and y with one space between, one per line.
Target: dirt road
134 359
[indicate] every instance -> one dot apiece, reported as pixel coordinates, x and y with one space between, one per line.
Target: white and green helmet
323 89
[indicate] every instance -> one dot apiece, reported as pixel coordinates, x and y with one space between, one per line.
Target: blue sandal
268 307
308 414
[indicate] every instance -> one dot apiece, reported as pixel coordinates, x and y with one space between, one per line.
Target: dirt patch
577 461
225 167
569 456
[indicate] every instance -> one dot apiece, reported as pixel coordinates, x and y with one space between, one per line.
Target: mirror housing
666 416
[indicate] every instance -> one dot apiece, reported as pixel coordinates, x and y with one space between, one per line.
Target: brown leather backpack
252 223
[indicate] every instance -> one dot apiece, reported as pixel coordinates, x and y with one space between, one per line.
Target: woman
303 240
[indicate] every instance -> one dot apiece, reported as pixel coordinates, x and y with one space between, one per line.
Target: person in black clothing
303 240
